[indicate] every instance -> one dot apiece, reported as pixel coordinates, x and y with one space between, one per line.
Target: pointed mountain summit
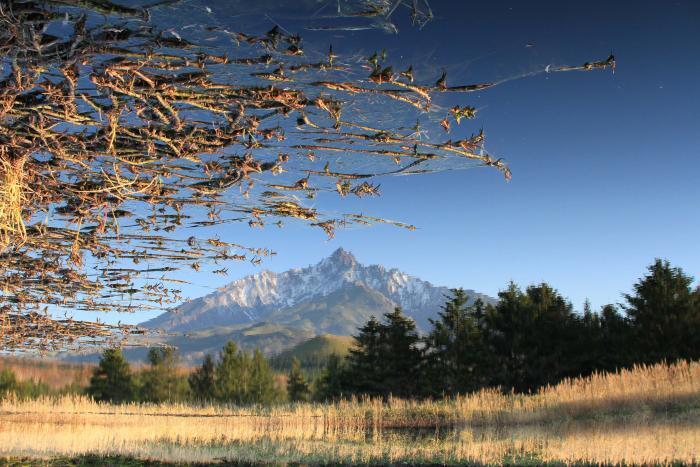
336 295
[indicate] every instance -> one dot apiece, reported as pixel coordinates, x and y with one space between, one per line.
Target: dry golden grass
645 415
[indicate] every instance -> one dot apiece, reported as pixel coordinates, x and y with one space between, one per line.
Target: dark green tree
365 361
664 312
332 383
262 388
242 378
456 354
232 374
111 380
297 387
201 381
160 381
529 335
615 340
402 358
387 358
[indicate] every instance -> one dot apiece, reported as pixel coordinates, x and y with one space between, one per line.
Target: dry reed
644 415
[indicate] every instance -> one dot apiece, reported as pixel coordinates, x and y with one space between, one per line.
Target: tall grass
646 414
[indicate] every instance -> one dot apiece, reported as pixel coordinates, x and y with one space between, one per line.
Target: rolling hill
313 353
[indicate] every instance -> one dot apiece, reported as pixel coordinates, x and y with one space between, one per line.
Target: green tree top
297 387
112 381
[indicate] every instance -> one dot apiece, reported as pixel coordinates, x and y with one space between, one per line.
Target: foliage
112 380
202 380
106 116
8 381
297 387
387 359
160 382
455 354
528 340
329 386
243 378
664 311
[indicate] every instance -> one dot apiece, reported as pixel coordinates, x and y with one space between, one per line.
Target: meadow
645 415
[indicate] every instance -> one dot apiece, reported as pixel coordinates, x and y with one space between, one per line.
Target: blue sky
605 167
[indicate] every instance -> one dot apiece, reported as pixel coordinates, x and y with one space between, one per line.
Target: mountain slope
270 338
335 295
314 353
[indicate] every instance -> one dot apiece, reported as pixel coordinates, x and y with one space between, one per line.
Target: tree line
529 339
237 376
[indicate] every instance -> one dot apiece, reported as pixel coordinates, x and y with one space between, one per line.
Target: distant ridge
335 296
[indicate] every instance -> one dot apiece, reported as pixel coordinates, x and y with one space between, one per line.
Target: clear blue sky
605 167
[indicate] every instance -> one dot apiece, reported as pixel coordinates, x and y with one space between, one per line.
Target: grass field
649 415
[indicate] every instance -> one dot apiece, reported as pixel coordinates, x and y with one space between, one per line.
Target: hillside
313 353
192 347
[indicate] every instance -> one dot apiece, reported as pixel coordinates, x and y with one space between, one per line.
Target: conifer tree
111 380
386 359
365 360
201 381
297 387
456 354
333 382
401 357
161 382
244 379
262 381
665 313
529 335
232 374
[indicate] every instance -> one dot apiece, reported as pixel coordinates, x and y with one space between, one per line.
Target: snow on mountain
266 295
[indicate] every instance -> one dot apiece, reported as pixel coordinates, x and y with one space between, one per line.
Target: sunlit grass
644 415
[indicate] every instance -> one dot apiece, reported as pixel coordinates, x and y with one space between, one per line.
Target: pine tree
297 387
616 335
401 357
262 381
232 374
529 335
665 313
201 381
333 382
244 379
365 361
386 359
112 381
455 348
161 382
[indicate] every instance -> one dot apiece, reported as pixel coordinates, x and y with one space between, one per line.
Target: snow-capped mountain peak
266 295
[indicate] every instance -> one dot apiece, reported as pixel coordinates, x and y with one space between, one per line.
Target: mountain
336 295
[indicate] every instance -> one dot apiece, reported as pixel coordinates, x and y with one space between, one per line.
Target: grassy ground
649 415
